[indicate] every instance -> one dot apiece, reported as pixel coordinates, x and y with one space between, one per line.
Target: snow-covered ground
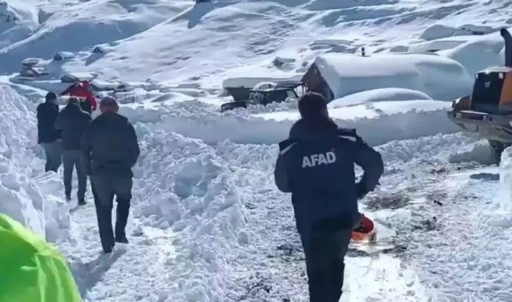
208 223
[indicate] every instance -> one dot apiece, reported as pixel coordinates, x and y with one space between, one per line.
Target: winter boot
122 239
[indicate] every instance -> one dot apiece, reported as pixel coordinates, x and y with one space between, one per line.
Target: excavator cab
488 110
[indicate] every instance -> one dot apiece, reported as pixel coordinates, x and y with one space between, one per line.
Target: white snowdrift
20 197
477 54
439 77
378 122
184 186
379 95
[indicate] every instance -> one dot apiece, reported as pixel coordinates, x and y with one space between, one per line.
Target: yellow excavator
488 110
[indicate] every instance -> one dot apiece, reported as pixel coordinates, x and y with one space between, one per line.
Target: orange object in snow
365 232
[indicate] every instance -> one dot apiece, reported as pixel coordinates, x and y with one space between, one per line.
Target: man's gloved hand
361 190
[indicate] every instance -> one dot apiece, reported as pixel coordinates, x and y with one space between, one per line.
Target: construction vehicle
488 110
268 92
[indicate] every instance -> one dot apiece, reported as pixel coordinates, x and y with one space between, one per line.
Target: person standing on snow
316 165
81 90
73 121
48 136
111 145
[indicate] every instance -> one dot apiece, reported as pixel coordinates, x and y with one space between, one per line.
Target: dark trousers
325 253
53 155
73 159
104 188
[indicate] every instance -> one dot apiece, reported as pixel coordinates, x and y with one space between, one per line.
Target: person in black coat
72 121
110 144
48 136
316 165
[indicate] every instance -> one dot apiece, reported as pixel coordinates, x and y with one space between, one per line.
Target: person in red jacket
81 90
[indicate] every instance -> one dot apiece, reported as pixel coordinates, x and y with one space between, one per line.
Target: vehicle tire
497 148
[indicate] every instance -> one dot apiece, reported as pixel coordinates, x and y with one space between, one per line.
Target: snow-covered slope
207 222
173 41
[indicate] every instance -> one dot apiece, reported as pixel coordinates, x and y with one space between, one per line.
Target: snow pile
183 186
478 54
20 196
379 95
505 193
439 77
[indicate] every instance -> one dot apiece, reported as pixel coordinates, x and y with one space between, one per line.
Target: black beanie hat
312 105
50 96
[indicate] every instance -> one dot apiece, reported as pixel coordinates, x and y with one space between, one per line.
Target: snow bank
394 120
20 196
478 54
439 77
183 186
379 95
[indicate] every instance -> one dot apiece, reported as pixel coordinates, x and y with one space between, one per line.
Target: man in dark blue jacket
73 121
111 146
47 136
316 165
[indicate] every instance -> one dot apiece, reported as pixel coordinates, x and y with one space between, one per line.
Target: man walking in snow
111 145
48 136
316 165
72 122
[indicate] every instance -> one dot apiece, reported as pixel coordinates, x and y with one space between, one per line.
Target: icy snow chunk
505 195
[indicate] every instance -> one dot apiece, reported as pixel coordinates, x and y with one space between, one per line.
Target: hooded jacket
316 165
111 145
72 121
46 115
